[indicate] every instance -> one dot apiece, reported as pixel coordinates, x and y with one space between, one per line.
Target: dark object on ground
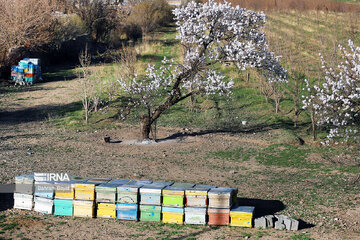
107 139
301 141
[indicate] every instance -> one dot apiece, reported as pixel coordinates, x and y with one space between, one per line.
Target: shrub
150 14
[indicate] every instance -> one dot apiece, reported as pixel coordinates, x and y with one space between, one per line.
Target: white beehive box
23 201
43 205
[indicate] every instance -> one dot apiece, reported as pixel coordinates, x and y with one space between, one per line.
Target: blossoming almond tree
211 34
337 100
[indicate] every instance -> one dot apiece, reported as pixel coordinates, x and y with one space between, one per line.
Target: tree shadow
6 196
38 113
235 129
19 136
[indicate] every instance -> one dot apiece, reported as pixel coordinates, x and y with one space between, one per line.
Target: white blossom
211 33
337 100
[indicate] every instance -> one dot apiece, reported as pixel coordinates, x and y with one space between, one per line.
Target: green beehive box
150 213
173 197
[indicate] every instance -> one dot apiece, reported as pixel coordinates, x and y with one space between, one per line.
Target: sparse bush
25 23
69 26
148 15
100 17
132 31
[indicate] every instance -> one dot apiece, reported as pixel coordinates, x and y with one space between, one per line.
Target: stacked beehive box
174 202
64 196
24 189
27 72
44 192
220 201
150 201
165 202
84 203
106 198
196 204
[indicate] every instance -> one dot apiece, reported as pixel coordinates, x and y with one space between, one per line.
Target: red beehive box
218 216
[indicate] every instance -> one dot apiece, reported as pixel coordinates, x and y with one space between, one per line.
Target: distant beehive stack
27 72
24 189
196 204
144 200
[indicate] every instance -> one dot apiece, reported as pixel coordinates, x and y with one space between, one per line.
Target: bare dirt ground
30 143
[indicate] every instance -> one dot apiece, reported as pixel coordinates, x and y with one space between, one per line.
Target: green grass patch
239 154
283 155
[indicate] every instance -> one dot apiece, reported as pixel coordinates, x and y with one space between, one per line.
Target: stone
279 225
260 222
281 217
294 225
269 221
287 223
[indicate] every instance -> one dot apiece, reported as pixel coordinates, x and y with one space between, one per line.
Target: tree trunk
277 105
313 124
145 127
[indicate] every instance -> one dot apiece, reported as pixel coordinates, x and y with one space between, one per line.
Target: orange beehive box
218 216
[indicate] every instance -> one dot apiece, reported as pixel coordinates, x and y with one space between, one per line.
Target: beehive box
173 215
221 197
173 196
84 208
85 191
242 216
106 192
63 207
65 190
150 213
128 193
24 184
23 201
195 215
44 189
43 205
196 197
219 216
127 211
106 210
151 195
41 177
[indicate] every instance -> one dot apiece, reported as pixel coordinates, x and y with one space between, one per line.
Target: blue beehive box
63 207
45 189
127 211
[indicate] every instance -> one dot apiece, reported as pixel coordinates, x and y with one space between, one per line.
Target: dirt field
325 199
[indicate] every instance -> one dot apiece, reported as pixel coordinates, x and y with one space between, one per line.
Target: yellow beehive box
241 222
177 218
173 192
84 208
85 195
106 210
241 216
199 190
85 186
85 191
173 215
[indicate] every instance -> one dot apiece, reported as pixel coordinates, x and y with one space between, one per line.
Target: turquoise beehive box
63 207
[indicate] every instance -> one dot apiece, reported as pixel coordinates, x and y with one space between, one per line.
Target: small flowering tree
337 100
211 34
